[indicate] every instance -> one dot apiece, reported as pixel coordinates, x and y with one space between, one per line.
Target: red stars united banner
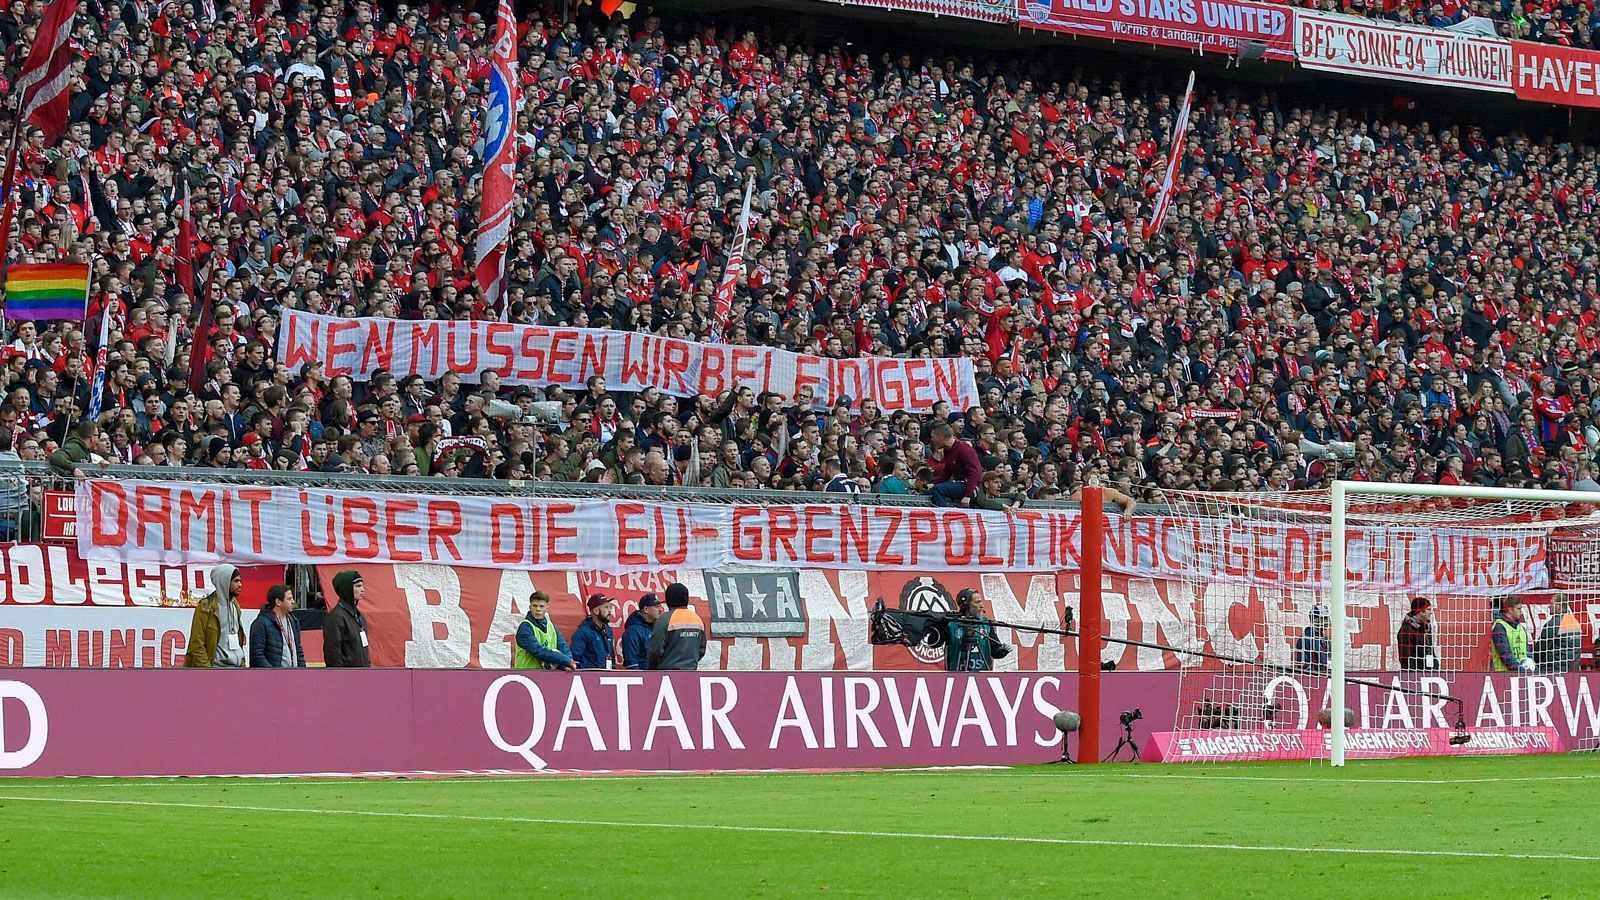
1220 26
538 355
151 521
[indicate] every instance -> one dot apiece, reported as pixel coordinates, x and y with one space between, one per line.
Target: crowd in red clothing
1331 294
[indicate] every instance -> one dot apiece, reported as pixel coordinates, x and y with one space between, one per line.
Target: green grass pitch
1461 827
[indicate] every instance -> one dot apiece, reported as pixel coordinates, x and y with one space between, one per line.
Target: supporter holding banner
148 521
1210 26
536 356
1547 73
1377 49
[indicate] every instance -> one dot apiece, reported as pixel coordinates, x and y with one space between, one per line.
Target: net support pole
1336 635
1091 625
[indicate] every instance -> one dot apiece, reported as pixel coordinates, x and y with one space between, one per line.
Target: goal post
1365 619
1532 505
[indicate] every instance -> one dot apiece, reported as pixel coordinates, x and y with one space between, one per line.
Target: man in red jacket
956 470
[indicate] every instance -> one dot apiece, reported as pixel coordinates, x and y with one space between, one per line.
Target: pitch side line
825 832
976 772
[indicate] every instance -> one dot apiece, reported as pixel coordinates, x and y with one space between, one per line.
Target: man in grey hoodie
216 635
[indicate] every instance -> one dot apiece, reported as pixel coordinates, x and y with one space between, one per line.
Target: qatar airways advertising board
58 722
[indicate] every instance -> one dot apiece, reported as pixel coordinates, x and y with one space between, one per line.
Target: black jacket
266 643
343 633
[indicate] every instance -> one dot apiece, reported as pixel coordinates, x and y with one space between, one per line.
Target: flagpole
6 218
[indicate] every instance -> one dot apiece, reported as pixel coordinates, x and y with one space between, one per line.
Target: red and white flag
730 275
1180 133
499 159
43 86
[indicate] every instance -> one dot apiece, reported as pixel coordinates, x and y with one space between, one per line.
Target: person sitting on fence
1509 635
539 642
956 469
1560 640
594 644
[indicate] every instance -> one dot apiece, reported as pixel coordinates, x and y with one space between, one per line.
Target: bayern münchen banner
152 521
1376 49
537 355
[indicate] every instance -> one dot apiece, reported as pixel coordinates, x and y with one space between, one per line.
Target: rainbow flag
47 291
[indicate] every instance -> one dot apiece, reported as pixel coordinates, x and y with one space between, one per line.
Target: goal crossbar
1339 496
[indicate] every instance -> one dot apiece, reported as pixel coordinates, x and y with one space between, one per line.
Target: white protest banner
1376 49
149 521
537 356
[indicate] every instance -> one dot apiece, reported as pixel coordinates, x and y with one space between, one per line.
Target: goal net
1385 643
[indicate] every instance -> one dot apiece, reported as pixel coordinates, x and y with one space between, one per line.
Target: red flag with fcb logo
730 275
43 86
1180 133
499 159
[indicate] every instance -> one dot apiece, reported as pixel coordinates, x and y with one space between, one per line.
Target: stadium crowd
1330 294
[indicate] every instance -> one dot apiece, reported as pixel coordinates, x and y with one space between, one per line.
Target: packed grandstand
1333 293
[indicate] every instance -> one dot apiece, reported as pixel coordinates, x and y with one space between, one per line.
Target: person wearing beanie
636 633
216 634
539 642
344 628
594 644
678 639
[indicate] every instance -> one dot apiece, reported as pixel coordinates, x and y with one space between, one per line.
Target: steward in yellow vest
539 643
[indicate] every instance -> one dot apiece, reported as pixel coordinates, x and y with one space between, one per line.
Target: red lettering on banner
532 356
746 539
499 350
1025 520
745 369
805 375
254 498
674 367
561 351
378 346
123 643
634 349
671 556
444 523
986 556
946 385
592 358
891 519
339 348
712 382
887 386
360 532
556 533
457 341
782 527
818 531
924 529
297 352
855 535
628 533
958 522
394 530
426 344
153 508
308 534
200 508
918 382
1263 558
499 514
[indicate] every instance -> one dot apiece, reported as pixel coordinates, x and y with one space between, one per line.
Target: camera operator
972 646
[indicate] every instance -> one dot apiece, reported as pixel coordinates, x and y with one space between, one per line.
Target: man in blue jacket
539 642
594 644
636 633
275 635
